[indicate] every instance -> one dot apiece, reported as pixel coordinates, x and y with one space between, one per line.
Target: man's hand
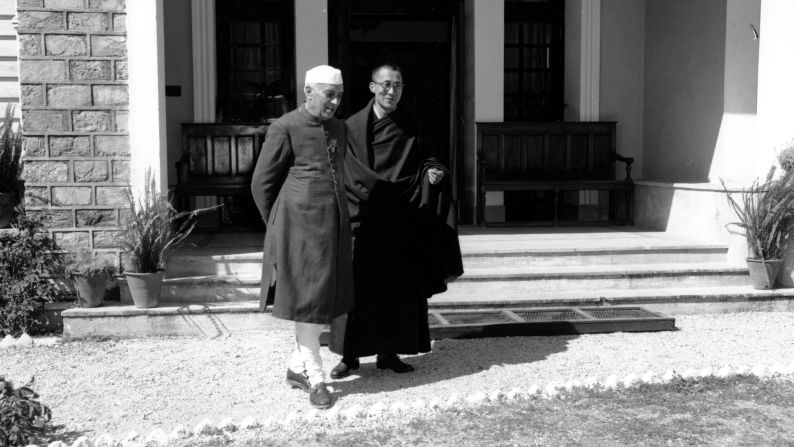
435 175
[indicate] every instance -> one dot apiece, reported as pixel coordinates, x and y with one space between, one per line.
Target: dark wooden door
256 59
416 35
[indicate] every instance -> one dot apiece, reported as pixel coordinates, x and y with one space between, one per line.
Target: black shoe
296 380
319 397
392 362
344 367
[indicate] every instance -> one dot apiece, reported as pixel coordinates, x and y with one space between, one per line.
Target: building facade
699 89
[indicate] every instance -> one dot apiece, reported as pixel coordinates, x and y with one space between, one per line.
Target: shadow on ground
451 359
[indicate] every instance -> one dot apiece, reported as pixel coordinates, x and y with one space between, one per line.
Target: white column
483 84
775 85
204 66
735 154
146 62
311 39
590 66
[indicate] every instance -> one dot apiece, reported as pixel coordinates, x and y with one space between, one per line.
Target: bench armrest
628 161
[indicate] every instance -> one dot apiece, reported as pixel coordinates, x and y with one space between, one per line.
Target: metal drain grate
476 317
549 315
605 314
512 321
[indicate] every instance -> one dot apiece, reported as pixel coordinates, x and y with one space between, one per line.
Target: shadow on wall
695 211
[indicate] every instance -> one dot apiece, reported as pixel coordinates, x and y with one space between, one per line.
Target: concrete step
224 318
241 254
506 281
250 263
495 282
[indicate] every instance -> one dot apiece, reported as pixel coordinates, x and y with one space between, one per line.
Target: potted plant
154 228
765 211
11 184
785 276
90 274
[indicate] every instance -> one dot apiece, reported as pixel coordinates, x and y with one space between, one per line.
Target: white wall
735 150
775 85
484 84
683 88
622 70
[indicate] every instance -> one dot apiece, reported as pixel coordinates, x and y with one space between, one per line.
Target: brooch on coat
331 145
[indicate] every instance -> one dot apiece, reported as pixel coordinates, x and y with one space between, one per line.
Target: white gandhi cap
323 74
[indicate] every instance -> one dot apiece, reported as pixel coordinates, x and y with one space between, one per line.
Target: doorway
421 37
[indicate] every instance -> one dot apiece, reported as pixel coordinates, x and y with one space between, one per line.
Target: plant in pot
90 273
765 212
785 277
154 228
11 184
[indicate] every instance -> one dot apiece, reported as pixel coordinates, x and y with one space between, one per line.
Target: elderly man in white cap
298 186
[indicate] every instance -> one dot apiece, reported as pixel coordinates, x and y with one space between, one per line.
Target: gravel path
117 385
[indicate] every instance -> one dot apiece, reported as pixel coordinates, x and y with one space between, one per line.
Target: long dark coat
404 248
298 186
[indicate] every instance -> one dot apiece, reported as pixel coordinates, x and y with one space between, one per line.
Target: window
533 60
256 75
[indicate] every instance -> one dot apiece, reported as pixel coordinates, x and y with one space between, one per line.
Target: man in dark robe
404 237
298 187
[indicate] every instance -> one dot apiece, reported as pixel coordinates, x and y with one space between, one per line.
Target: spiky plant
766 214
10 152
785 155
154 229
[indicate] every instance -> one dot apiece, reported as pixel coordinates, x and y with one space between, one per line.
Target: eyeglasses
388 85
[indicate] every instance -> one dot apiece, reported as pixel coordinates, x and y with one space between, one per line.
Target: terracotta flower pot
763 272
90 291
785 276
145 288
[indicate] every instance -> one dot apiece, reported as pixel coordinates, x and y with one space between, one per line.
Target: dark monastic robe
405 241
298 187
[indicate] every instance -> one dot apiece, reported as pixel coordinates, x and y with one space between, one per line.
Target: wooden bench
217 160
552 159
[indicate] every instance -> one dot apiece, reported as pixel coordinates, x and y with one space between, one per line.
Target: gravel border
354 414
159 386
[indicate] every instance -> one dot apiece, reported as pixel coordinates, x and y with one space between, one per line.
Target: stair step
594 256
535 280
221 319
723 293
241 254
503 281
249 264
217 319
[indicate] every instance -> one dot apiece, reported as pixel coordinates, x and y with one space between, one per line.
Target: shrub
29 259
10 153
766 215
786 156
88 264
22 416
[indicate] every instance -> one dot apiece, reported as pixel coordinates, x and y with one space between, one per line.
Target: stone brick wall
74 99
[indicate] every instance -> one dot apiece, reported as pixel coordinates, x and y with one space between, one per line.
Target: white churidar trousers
306 356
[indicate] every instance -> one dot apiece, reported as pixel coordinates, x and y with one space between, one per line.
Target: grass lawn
740 410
